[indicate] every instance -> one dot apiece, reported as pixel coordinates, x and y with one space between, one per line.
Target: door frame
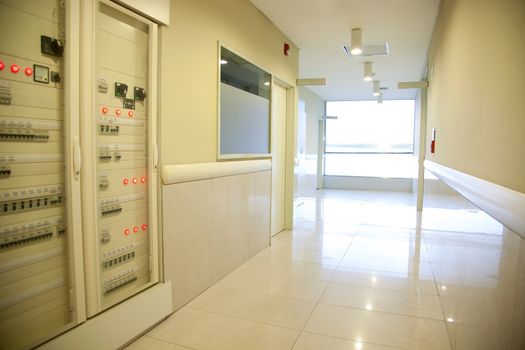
289 147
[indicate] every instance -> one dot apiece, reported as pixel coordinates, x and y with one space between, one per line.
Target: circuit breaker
118 143
36 283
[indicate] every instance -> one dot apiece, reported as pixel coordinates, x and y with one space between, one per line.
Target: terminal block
105 129
23 205
5 171
111 210
118 260
103 182
118 281
105 236
22 239
23 135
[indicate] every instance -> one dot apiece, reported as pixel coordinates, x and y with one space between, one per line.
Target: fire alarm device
286 49
433 142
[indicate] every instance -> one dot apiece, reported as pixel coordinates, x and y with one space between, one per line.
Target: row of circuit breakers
36 280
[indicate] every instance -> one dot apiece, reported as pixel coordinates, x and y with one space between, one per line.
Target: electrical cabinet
38 283
118 142
74 240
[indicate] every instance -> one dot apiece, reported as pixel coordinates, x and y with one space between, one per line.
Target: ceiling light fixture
223 61
356 45
376 87
368 72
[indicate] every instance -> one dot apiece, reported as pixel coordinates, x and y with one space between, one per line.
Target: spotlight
368 71
356 46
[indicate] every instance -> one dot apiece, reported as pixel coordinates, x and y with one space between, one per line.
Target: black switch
51 46
57 47
139 94
55 77
121 90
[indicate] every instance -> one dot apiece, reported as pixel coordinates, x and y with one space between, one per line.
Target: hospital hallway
364 270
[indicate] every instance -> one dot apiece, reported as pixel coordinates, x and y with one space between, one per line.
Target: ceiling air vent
370 50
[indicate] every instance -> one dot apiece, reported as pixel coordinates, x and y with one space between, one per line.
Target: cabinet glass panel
35 273
122 143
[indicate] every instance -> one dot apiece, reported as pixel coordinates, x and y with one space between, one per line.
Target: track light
376 87
380 98
368 71
356 46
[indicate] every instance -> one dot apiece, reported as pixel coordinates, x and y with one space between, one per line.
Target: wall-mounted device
433 141
51 46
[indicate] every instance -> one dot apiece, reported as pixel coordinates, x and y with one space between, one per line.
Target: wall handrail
177 173
502 203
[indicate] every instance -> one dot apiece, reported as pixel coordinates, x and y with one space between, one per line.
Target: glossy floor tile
254 306
145 343
385 280
197 329
323 257
286 286
265 263
310 341
362 270
378 328
383 300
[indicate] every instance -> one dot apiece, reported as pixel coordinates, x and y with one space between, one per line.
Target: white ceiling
320 28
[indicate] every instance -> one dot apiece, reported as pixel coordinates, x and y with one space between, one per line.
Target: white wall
210 226
476 70
189 70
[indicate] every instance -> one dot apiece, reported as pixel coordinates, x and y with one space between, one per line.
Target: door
278 158
300 181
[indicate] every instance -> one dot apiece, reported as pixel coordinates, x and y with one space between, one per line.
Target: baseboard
117 326
503 204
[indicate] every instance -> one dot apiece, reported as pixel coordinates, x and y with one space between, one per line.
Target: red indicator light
130 114
143 179
127 231
15 68
136 229
28 71
134 181
2 65
144 227
126 181
118 112
105 110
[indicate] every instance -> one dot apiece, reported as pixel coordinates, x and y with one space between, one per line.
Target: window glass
369 127
367 139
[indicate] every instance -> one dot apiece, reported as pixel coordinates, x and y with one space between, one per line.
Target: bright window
370 139
370 127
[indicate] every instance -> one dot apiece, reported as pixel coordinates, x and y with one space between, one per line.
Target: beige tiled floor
354 273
